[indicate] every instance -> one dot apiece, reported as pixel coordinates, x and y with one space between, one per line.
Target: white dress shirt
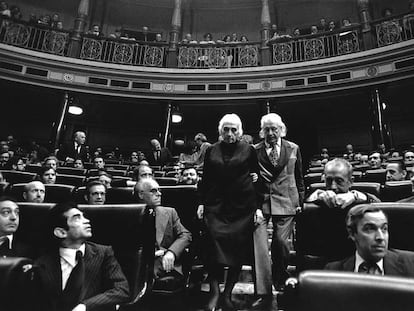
359 260
270 147
68 261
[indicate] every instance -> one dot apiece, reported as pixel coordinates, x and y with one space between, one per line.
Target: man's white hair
274 118
231 118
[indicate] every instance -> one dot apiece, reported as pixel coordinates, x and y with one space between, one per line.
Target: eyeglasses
155 190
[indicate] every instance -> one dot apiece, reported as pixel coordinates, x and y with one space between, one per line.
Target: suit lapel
91 268
285 152
161 220
391 265
53 271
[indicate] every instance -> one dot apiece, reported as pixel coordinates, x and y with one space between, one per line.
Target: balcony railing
393 30
226 55
305 48
285 50
34 37
120 51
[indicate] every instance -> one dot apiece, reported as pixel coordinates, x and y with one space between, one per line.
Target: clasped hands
341 200
168 259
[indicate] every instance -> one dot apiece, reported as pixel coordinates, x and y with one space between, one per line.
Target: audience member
202 145
10 245
78 163
331 26
313 30
134 157
17 164
51 161
189 154
159 155
207 38
143 171
368 228
95 193
375 160
188 39
172 236
47 175
338 182
189 176
396 171
346 22
105 179
322 26
96 31
324 153
34 192
408 156
99 163
4 9
364 159
90 276
296 32
4 160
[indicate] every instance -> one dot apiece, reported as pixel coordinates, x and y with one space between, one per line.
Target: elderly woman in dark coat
229 207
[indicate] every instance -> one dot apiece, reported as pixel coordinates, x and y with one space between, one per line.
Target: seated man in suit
396 171
368 228
10 246
189 176
375 160
95 193
34 192
171 236
159 156
77 274
338 180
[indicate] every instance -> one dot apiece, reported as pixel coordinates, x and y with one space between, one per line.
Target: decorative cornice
381 65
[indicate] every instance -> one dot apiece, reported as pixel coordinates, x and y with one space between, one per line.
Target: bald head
338 175
34 192
155 144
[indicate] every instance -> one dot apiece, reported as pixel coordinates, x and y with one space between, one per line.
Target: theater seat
54 193
73 180
18 282
78 195
71 171
316 169
167 181
122 167
312 178
113 172
346 291
368 187
33 168
120 195
362 167
396 190
377 175
14 177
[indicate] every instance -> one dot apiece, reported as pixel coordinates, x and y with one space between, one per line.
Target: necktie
367 268
73 290
4 246
274 155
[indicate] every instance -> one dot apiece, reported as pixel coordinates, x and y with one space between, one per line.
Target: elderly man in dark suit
281 189
78 275
158 155
75 149
10 245
368 228
171 236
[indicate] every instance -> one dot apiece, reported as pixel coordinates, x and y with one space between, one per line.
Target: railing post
365 20
175 31
59 126
78 29
380 132
265 21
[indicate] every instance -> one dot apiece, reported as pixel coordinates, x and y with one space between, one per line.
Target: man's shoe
262 302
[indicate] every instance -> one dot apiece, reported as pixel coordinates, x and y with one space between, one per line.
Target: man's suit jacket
170 235
18 249
105 284
69 151
281 186
164 158
396 263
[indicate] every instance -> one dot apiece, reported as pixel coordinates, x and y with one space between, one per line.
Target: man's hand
79 307
168 261
328 197
345 199
159 253
254 177
200 211
258 217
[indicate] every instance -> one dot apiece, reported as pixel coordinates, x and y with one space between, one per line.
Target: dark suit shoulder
258 145
334 265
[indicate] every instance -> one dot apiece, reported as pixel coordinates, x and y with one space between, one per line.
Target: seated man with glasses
171 236
95 193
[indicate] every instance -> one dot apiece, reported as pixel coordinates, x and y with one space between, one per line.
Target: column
59 125
168 125
174 34
365 19
78 29
265 21
380 132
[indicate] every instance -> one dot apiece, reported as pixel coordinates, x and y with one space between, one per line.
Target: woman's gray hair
275 118
231 118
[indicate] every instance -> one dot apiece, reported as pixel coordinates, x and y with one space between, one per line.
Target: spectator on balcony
33 19
273 30
331 26
207 38
296 32
387 12
234 37
96 31
55 20
59 25
4 9
116 35
243 38
313 30
158 38
322 26
346 22
44 20
16 14
188 39
4 160
408 156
